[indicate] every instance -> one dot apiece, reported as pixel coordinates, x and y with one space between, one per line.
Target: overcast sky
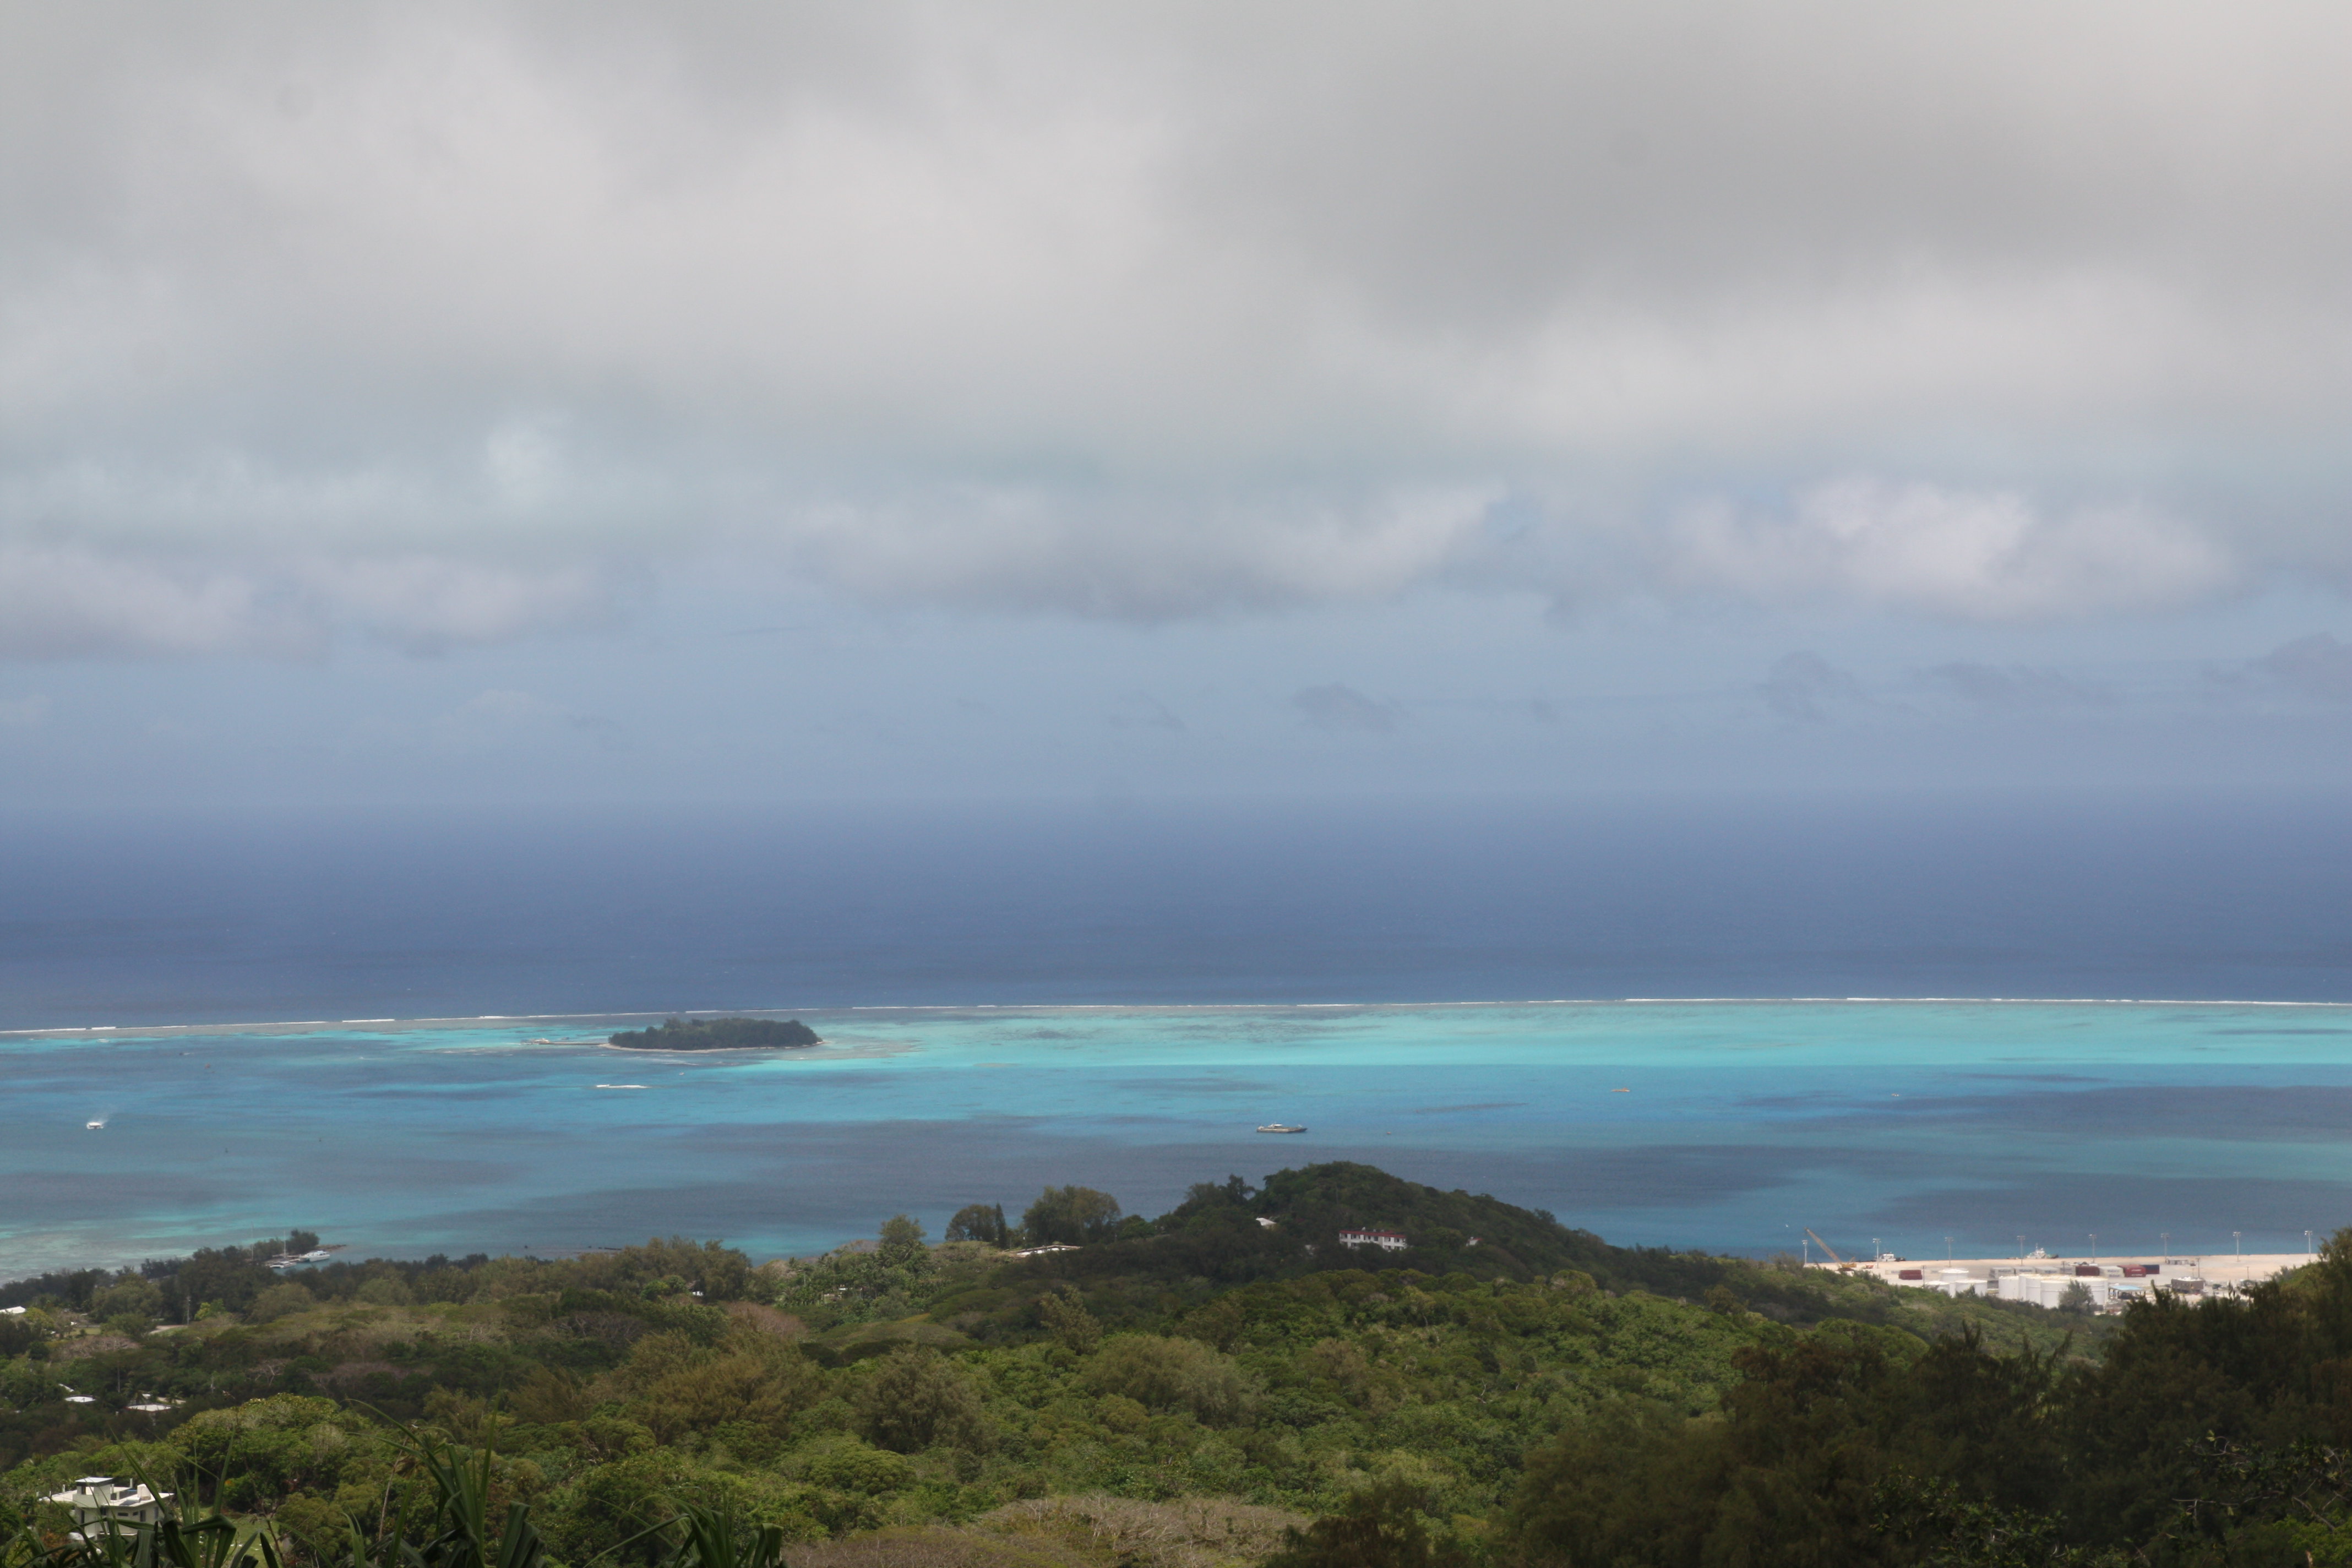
467 401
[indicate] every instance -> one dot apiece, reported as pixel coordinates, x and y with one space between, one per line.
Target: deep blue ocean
1587 1007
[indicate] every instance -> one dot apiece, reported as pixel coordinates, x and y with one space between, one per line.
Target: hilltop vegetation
1198 1388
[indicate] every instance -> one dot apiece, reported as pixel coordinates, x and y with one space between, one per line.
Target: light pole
1947 1247
2306 1243
2094 1246
2166 1236
2021 1252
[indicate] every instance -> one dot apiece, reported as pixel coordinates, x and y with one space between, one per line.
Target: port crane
1844 1265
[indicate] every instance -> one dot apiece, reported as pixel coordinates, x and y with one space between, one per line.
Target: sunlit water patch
1726 1125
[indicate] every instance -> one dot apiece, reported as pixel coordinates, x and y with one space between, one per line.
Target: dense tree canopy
980 1222
1071 1216
1536 1398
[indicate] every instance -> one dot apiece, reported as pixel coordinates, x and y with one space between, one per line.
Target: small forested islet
719 1034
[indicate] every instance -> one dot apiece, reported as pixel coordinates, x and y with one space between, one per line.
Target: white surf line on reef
151 1029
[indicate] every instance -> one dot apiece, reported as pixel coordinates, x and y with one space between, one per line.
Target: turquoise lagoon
1725 1125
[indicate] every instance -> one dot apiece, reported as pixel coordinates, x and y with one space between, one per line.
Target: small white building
100 1503
1389 1240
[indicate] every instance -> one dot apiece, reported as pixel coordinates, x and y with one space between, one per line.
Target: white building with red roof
1393 1240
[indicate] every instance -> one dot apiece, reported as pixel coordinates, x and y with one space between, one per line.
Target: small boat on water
93 1126
1281 1127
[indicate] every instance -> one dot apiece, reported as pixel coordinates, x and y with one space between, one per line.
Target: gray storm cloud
450 323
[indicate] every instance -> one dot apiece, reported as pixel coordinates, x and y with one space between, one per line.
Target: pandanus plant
720 1537
458 1534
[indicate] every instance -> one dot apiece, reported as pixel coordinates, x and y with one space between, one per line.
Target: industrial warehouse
2087 1284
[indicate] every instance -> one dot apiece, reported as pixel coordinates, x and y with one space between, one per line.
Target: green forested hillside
1183 1389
